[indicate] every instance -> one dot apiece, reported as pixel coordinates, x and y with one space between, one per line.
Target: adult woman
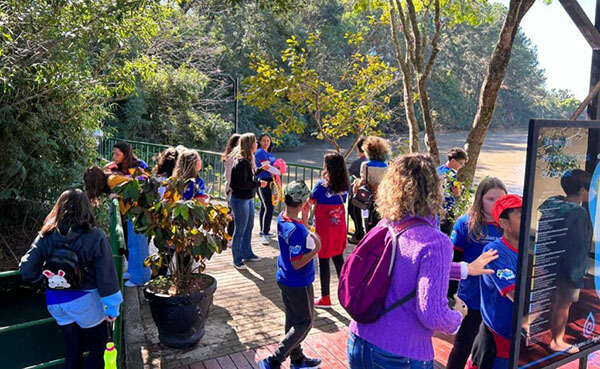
243 189
264 160
80 310
410 190
377 151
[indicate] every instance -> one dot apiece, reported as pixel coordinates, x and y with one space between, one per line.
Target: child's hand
263 184
460 306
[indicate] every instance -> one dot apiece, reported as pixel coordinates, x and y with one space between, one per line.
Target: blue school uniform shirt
292 236
194 189
496 308
260 157
468 289
449 176
322 194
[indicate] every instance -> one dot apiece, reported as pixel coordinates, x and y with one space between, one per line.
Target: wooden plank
240 361
582 22
226 362
212 364
252 358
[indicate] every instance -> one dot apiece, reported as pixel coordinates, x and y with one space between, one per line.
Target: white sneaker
264 240
240 267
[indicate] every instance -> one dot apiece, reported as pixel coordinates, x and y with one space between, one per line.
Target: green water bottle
110 356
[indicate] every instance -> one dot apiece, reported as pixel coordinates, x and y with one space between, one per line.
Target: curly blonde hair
410 186
376 148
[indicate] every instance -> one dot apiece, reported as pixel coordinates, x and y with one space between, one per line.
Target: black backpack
64 268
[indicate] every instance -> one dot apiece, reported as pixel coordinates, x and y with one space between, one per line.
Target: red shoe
323 303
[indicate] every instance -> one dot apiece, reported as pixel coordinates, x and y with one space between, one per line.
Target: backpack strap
403 227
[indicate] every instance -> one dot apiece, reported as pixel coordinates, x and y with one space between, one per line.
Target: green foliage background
160 71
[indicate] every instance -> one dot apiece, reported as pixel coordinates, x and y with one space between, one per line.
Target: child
188 166
498 289
264 159
81 306
472 232
573 246
295 275
457 158
329 195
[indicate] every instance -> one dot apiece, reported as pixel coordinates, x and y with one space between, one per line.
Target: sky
562 51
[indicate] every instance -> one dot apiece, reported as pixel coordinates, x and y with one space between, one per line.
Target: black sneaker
306 363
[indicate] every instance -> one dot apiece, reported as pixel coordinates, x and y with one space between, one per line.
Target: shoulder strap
404 226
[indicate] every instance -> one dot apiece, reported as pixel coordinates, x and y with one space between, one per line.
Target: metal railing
116 242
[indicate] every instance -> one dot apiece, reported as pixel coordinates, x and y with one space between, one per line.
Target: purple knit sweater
423 262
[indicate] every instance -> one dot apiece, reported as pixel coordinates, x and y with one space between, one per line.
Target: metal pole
236 89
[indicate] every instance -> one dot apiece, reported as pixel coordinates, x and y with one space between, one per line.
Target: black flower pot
180 319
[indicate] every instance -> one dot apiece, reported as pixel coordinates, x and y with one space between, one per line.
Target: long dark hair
231 144
72 209
130 160
165 162
270 148
336 173
476 217
96 183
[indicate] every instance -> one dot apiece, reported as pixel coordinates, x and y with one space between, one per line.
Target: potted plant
186 233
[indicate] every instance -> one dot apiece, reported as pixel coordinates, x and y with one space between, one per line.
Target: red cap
505 202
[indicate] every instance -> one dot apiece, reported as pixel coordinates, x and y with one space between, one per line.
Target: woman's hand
110 318
477 267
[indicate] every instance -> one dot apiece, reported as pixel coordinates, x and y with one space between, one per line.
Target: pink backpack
366 275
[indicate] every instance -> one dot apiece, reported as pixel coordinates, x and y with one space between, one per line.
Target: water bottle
110 356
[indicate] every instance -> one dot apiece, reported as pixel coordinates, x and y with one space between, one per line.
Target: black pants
266 207
356 215
78 339
484 349
463 342
299 309
324 274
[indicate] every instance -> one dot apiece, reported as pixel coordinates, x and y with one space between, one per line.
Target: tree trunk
409 107
491 85
428 121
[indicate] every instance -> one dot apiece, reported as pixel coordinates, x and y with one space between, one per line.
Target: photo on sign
560 296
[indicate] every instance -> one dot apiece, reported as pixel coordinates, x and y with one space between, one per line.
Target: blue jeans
243 218
364 355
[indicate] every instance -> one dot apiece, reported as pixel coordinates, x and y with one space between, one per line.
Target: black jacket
243 181
91 246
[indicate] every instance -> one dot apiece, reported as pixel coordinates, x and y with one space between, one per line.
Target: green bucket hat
297 191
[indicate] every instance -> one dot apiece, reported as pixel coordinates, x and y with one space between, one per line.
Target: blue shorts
87 311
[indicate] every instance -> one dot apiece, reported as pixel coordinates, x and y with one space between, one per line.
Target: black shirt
355 167
243 180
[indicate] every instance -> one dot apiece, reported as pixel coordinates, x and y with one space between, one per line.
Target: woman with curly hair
329 196
410 191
